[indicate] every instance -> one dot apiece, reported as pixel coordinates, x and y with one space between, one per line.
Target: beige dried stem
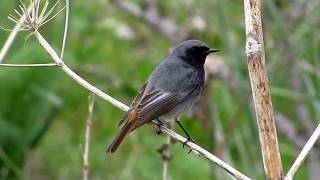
164 151
37 22
85 168
260 90
303 154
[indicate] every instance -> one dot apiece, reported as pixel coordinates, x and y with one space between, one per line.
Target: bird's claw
159 127
159 131
189 139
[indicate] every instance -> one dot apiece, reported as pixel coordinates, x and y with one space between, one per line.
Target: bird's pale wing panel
160 105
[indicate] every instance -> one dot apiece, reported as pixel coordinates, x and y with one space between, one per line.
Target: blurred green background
43 112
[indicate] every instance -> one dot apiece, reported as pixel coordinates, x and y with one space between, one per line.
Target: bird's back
174 76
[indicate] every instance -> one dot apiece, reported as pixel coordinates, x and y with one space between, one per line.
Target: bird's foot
159 126
189 139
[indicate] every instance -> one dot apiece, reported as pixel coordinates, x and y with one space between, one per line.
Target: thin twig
303 154
76 77
164 152
197 149
260 90
29 65
85 167
66 24
165 171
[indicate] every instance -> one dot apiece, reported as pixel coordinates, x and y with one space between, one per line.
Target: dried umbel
34 16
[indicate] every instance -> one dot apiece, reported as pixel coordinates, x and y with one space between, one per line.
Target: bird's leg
159 125
187 134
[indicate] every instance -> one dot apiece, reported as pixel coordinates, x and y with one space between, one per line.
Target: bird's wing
147 107
155 104
135 101
151 104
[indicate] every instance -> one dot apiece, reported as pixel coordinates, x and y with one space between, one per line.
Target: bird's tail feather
117 141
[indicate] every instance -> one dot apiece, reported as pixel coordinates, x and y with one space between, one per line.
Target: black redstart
170 90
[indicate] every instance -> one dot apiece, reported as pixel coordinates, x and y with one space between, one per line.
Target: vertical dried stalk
260 90
85 168
165 171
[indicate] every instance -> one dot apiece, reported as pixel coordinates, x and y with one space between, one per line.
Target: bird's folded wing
155 104
135 101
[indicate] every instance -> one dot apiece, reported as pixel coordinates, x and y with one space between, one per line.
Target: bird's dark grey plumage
170 90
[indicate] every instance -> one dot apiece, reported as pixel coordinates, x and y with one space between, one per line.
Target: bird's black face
198 52
193 51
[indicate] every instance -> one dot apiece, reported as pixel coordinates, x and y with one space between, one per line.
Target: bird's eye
199 50
194 49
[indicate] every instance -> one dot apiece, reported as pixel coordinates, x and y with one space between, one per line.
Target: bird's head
193 51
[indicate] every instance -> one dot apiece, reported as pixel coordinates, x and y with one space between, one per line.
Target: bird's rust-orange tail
129 125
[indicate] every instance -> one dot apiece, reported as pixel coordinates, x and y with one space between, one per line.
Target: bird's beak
212 51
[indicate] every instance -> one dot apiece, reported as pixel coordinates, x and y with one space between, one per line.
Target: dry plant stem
85 168
165 171
29 65
9 41
303 154
233 172
260 90
197 149
164 151
66 24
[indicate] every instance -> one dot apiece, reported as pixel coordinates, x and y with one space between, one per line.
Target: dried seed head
33 17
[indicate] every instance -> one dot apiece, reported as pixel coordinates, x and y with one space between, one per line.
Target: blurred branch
164 151
303 154
29 65
47 121
302 8
166 26
233 126
9 163
286 127
260 90
87 138
309 68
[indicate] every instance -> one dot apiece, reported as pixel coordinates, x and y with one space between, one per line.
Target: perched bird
169 91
